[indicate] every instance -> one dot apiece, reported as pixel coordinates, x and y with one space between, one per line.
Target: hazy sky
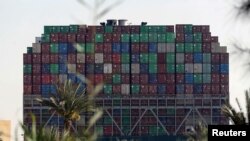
23 20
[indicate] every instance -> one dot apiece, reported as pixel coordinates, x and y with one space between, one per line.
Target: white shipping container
36 48
125 68
71 68
189 68
125 89
197 68
215 47
135 68
62 78
170 47
162 47
107 68
38 39
179 57
223 49
80 58
99 58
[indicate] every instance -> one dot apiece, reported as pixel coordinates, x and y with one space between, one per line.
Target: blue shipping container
152 48
125 48
215 68
52 89
98 68
72 77
63 69
90 68
63 58
198 57
144 68
116 47
224 68
46 68
180 89
152 78
135 58
161 89
188 38
45 90
189 78
63 48
197 89
71 48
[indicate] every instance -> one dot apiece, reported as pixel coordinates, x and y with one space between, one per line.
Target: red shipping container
188 89
135 112
215 89
215 58
188 57
71 38
134 29
206 47
180 37
215 78
224 78
161 58
45 58
144 48
80 68
45 48
125 78
171 89
206 37
27 79
214 39
36 68
45 79
206 88
90 58
161 68
196 28
62 37
107 37
135 78
116 68
107 48
179 28
90 37
144 130
117 89
125 29
36 79
107 78
27 89
224 58
91 29
27 58
82 29
36 58
107 130
98 78
116 57
205 29
98 48
72 58
54 37
80 38
144 79
170 78
152 89
135 47
135 102
117 29
36 89
179 78
107 58
54 79
224 89
54 58
162 78
116 37
170 28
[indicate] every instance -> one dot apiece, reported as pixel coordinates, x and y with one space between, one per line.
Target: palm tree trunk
67 125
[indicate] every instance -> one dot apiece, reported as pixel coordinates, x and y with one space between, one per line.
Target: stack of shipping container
157 79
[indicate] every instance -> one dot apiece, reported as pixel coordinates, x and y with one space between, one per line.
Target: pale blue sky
23 20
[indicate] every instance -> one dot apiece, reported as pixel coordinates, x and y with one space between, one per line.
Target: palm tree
198 134
238 118
70 101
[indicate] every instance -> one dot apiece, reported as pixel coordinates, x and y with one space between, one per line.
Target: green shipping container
180 68
125 112
53 48
98 38
56 29
116 78
135 89
108 29
29 50
170 57
54 68
206 58
198 78
161 29
152 68
152 37
170 112
189 47
170 38
45 37
188 28
107 89
135 38
80 47
48 29
179 47
64 29
153 130
144 29
107 120
161 131
197 47
206 78
144 58
152 58
125 58
73 28
143 37
125 37
197 37
116 102
161 38
170 68
27 68
126 121
206 68
152 29
99 130
90 48
126 129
